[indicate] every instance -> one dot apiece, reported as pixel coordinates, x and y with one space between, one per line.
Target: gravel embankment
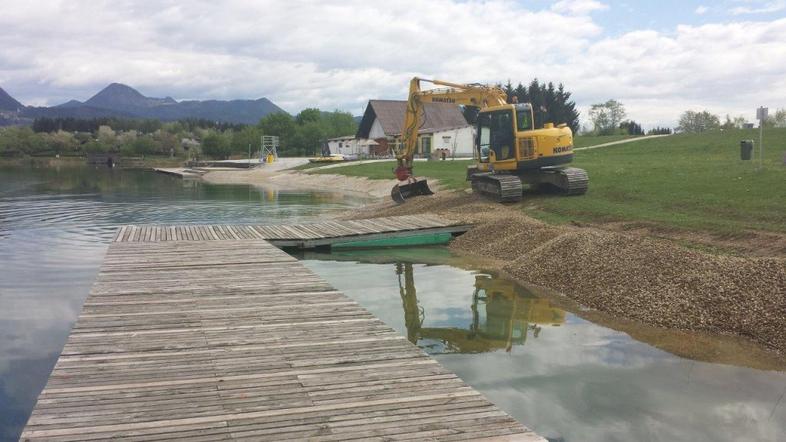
651 280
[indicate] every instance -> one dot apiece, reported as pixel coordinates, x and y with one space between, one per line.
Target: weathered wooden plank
299 235
120 233
210 333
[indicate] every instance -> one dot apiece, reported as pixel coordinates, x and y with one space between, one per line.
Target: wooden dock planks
231 339
298 235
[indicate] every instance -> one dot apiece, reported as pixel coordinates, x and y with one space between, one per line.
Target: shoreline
283 178
623 276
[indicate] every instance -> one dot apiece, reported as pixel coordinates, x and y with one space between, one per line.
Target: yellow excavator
508 316
508 152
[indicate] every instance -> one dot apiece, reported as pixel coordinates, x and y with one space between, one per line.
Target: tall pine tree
549 104
508 88
566 109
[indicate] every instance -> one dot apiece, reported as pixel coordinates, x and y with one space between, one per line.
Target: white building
444 129
351 146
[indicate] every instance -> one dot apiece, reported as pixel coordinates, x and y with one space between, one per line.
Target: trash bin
746 149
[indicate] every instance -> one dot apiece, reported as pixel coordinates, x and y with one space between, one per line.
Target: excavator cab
498 130
496 134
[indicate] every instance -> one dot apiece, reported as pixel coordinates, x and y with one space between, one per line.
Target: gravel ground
651 280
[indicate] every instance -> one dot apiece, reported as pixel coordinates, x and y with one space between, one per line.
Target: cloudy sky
658 58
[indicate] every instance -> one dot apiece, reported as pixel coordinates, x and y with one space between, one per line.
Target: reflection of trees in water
503 315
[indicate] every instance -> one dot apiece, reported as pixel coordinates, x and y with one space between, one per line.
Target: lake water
566 377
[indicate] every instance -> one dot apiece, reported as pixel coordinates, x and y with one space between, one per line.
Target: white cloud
340 54
726 68
701 10
297 53
578 7
761 8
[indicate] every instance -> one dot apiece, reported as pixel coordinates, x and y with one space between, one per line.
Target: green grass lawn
450 173
696 182
690 181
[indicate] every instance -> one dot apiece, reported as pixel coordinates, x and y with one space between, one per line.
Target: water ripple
55 226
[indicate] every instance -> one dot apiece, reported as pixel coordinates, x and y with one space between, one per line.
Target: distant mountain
8 102
233 111
71 110
120 97
119 100
71 103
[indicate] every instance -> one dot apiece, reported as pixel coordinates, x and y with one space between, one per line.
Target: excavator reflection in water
510 315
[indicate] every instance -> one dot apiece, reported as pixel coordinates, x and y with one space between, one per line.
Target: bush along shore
655 281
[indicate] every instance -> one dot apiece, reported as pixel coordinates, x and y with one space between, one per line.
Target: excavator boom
476 95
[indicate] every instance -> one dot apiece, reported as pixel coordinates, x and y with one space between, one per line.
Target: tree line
142 125
702 121
299 135
608 119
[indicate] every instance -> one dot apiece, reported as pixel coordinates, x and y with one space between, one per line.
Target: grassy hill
695 181
692 181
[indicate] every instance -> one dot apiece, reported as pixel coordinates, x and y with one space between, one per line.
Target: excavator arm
476 95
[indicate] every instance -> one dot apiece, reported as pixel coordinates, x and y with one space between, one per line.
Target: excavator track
501 188
576 181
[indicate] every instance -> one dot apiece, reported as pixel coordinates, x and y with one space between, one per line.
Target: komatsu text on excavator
508 151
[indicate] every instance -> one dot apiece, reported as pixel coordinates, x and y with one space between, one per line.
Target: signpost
761 115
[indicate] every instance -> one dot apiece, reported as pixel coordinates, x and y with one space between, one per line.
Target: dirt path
614 143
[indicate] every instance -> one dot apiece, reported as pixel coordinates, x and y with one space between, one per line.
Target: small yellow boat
333 158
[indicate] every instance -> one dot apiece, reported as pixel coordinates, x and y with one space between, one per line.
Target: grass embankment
308 165
451 174
693 181
689 181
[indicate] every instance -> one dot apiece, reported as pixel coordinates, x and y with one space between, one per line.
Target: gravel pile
654 281
660 283
505 238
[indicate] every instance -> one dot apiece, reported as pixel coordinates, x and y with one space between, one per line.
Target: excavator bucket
401 193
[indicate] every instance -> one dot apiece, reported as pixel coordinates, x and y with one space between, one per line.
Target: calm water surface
55 226
567 378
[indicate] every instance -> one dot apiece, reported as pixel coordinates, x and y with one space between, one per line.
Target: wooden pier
218 335
180 172
304 236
